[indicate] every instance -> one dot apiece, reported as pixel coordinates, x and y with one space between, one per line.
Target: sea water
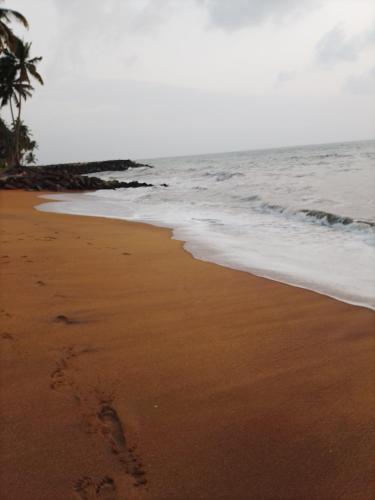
300 215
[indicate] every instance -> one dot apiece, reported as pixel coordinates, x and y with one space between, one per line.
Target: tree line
18 70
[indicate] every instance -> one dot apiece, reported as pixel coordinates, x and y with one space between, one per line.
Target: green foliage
6 141
17 69
27 145
8 40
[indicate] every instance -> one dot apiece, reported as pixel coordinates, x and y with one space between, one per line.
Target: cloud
284 77
203 89
234 14
92 119
363 84
144 15
112 17
335 46
114 30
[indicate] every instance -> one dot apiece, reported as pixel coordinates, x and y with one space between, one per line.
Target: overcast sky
148 78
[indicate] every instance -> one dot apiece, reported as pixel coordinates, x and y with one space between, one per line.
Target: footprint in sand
7 336
112 429
58 375
61 318
88 489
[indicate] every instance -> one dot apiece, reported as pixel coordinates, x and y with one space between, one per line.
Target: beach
131 370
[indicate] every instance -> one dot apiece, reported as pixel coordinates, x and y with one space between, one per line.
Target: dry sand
131 370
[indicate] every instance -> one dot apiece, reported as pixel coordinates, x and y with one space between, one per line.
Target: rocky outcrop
61 178
96 166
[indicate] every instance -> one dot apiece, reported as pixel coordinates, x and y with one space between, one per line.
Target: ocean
299 215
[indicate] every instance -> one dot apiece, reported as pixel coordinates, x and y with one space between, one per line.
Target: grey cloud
154 13
363 84
90 42
234 14
89 27
143 15
84 30
335 46
101 119
114 16
130 60
284 77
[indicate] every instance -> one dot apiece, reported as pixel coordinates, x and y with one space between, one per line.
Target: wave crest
314 216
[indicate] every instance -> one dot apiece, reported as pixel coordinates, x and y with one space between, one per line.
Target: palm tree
6 143
8 96
8 75
27 145
7 38
12 91
16 71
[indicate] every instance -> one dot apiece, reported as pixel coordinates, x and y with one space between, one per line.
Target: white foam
218 206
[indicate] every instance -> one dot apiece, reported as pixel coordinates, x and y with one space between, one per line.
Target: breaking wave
281 214
313 216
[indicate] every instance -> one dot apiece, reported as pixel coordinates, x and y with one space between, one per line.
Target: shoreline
199 251
131 369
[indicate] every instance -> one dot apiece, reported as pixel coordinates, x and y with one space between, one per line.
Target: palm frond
34 73
35 60
7 38
8 14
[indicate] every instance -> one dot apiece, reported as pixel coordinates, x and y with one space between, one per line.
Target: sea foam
303 216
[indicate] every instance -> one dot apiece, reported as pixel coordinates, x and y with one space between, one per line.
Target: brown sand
131 370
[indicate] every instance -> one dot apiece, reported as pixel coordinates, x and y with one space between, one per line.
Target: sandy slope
130 370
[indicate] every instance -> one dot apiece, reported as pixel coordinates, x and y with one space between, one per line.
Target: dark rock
86 167
66 177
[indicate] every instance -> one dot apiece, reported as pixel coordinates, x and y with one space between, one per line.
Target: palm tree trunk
11 156
12 146
17 133
11 112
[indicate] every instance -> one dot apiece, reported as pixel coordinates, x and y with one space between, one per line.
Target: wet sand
131 370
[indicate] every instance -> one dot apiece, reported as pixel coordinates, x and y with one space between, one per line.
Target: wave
251 198
321 156
314 216
331 219
223 176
